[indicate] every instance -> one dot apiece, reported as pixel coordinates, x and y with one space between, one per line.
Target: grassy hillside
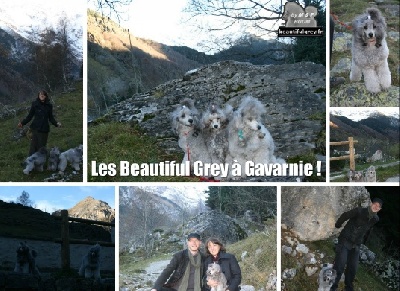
68 109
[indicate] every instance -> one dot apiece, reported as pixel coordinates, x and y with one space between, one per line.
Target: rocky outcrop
311 212
294 95
93 209
215 224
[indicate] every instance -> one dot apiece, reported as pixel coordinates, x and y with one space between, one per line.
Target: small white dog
26 262
54 159
214 273
90 266
249 140
370 51
72 156
186 123
215 131
36 161
326 277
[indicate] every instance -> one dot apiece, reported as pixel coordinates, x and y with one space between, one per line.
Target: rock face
90 208
311 212
215 224
294 95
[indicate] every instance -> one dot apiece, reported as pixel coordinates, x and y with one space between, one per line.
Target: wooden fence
352 153
66 240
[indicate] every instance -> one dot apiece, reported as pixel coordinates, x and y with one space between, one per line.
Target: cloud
47 206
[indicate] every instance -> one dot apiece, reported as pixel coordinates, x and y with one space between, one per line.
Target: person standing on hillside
184 271
355 232
42 112
216 253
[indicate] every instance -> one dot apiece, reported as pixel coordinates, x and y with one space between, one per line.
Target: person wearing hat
355 232
185 270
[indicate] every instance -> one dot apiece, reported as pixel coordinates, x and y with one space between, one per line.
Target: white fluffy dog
72 156
26 262
186 123
249 140
36 161
215 130
326 277
54 159
90 266
370 51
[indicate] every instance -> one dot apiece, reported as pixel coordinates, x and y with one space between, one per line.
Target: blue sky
51 198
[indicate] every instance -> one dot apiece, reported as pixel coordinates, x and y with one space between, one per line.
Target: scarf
184 283
370 213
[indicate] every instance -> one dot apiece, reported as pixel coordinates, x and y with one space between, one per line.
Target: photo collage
199 145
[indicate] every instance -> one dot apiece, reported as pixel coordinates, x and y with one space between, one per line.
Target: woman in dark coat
216 253
42 112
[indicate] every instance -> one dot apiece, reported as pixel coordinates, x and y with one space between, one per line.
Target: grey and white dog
186 124
215 131
26 262
326 277
73 157
54 159
90 266
214 273
370 51
36 161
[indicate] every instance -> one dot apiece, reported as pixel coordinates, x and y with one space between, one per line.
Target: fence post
65 255
351 153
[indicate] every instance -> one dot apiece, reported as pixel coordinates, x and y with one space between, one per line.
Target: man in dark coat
42 112
185 270
355 232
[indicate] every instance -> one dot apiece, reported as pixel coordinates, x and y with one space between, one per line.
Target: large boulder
215 224
311 212
294 95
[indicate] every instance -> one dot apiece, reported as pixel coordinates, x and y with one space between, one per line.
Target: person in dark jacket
355 232
42 112
216 253
184 271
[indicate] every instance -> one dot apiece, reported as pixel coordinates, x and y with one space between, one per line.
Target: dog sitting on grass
36 161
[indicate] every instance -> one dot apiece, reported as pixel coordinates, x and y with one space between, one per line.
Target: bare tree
259 18
111 7
24 199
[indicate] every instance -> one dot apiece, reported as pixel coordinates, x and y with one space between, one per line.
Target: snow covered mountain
360 113
28 19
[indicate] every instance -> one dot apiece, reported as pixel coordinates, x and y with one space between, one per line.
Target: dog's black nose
370 34
215 126
190 120
259 127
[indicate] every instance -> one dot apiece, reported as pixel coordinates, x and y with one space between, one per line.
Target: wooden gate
351 155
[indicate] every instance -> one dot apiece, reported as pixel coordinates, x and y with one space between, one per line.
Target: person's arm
51 117
346 216
236 274
166 273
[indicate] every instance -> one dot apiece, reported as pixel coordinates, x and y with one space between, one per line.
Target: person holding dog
42 112
184 271
355 232
216 253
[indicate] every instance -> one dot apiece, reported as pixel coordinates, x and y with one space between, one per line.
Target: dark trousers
38 140
346 256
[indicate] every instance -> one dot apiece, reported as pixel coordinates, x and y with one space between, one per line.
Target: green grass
382 173
68 109
256 267
113 142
